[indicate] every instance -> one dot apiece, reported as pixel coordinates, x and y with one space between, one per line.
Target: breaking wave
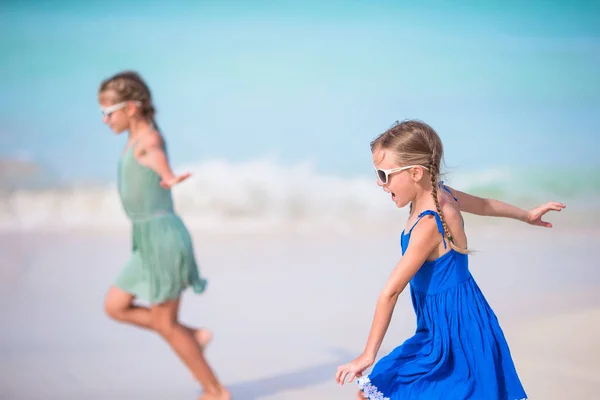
263 196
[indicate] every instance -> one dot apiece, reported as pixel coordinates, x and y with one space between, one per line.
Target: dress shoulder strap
444 187
438 220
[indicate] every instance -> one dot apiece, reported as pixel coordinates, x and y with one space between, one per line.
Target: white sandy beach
286 311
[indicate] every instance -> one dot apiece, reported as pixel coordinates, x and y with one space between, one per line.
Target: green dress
162 262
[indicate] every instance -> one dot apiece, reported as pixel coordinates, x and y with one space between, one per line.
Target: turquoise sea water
512 88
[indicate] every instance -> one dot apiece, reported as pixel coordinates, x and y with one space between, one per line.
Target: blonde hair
416 143
129 86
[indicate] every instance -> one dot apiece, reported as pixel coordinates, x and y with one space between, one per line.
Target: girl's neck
423 201
139 128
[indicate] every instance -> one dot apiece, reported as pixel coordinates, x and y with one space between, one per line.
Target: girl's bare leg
182 341
118 305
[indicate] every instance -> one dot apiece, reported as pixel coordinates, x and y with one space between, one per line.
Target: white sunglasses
384 174
107 111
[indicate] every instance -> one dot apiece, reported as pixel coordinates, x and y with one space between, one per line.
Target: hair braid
434 174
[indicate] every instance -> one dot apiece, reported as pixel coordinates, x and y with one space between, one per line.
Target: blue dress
458 351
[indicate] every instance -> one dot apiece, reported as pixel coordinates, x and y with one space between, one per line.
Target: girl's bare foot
223 395
203 337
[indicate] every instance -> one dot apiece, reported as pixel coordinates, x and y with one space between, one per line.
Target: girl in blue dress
458 351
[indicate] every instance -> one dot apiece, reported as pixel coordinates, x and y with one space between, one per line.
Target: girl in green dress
162 263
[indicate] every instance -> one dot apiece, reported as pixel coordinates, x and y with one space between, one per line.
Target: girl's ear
131 108
417 173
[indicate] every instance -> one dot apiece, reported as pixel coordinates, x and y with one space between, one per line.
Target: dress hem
371 392
198 289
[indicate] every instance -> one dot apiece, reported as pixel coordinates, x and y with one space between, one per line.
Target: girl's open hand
166 184
534 216
353 369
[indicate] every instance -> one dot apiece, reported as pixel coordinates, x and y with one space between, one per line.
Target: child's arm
423 240
155 158
496 208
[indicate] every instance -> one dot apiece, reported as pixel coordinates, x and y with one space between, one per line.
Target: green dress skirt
162 263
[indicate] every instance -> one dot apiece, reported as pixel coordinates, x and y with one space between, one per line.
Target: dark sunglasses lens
382 176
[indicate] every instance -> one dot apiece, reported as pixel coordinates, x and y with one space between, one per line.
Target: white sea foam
258 196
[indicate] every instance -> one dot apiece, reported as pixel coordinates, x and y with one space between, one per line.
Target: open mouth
393 196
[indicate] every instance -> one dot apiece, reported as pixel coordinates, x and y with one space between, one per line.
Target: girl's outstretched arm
496 208
423 240
154 157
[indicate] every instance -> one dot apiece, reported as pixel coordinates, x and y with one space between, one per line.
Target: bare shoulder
425 234
148 142
451 212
